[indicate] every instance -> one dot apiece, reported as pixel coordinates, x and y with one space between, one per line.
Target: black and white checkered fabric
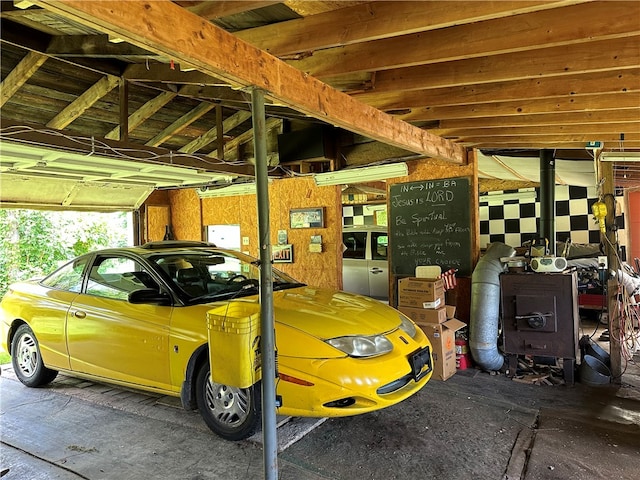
518 221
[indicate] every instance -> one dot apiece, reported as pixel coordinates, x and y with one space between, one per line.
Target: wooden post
611 247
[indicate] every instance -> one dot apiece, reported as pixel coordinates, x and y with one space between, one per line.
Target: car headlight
407 326
362 346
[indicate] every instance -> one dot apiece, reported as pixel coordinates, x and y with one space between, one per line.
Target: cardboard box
427 288
425 315
420 292
443 337
451 311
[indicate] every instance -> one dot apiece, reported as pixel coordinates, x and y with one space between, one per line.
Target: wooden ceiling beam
162 72
29 64
569 118
380 19
596 83
81 104
559 27
551 141
190 40
591 129
604 55
180 124
93 46
213 10
529 107
212 135
231 147
145 112
529 145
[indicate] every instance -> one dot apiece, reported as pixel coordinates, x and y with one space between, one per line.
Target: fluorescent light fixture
230 191
620 157
359 175
500 198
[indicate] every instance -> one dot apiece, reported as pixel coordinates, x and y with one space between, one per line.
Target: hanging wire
14 132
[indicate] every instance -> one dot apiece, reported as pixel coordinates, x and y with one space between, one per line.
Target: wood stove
540 317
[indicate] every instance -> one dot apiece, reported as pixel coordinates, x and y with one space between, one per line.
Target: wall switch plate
245 240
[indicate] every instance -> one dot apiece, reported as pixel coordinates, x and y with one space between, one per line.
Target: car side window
379 245
67 278
355 243
117 277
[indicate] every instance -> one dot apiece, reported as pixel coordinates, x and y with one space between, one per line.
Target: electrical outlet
602 262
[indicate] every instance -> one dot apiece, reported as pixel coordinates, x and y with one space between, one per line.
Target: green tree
33 243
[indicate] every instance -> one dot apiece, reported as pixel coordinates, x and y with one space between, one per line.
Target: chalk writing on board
429 224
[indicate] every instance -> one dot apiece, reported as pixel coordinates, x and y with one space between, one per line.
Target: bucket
234 344
593 372
598 352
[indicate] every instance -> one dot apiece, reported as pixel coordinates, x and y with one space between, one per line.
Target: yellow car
143 317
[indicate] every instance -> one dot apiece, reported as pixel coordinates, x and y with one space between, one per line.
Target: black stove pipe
548 198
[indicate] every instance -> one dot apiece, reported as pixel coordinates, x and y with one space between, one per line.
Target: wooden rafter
144 24
381 19
493 37
212 10
145 112
570 118
616 54
212 134
598 83
180 124
76 108
529 107
31 62
230 148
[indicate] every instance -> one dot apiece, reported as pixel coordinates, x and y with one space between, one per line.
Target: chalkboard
430 224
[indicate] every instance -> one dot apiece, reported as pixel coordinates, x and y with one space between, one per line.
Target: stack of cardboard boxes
423 301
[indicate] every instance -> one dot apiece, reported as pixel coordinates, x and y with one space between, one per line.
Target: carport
145 106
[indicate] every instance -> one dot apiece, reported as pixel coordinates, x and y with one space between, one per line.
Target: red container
463 358
463 361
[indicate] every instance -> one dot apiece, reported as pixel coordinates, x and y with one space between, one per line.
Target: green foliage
33 243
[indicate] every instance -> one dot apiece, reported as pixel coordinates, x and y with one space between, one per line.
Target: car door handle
79 314
376 270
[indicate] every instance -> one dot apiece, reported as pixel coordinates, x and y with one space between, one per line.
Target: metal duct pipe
485 307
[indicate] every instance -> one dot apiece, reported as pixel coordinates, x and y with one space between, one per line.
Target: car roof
150 248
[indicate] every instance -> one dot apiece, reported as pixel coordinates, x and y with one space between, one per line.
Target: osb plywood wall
158 216
185 214
190 215
313 268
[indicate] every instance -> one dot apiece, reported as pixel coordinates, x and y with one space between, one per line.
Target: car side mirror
149 295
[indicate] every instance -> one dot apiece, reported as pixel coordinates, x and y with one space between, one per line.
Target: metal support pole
267 342
548 198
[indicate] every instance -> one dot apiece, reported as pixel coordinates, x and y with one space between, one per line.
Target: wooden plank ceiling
400 79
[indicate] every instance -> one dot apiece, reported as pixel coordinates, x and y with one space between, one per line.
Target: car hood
327 313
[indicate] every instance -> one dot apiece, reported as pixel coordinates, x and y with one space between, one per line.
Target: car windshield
205 275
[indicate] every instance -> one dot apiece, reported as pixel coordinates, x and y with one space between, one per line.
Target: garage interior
145 107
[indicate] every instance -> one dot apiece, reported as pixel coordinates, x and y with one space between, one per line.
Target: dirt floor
474 425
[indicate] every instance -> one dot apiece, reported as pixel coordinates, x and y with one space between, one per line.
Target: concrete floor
474 425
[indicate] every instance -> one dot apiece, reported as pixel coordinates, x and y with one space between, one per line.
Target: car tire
27 360
231 412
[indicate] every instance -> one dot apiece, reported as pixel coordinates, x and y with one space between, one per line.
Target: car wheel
231 412
27 361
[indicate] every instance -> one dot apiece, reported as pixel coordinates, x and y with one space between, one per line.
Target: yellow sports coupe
153 318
